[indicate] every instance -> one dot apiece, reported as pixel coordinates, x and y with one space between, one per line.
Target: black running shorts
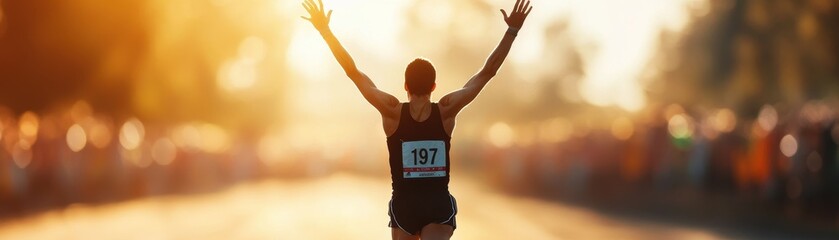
412 213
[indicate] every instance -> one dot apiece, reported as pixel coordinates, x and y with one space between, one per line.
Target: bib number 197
423 159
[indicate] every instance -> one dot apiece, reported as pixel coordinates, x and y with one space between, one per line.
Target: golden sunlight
241 72
307 54
226 119
361 28
623 42
616 45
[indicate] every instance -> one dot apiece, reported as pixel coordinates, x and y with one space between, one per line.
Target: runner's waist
420 189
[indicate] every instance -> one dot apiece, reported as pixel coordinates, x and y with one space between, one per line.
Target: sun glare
241 72
307 53
623 41
368 29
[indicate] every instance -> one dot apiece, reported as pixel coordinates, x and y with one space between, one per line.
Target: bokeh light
789 145
131 134
622 128
76 138
724 120
99 135
681 126
767 118
163 151
28 125
501 135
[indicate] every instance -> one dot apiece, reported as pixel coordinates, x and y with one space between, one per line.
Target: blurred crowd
781 162
75 155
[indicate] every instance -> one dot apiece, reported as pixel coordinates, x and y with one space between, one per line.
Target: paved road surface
341 206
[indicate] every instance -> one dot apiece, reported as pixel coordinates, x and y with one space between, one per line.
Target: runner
419 131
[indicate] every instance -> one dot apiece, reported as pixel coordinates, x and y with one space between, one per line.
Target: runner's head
419 77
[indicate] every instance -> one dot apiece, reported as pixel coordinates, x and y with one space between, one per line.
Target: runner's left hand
519 13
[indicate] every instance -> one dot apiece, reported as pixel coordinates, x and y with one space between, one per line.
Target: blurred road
341 206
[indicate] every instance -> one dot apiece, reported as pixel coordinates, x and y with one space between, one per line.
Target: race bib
423 159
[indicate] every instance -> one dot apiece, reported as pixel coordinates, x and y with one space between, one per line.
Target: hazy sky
623 33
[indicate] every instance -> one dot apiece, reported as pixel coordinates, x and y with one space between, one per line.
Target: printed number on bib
423 159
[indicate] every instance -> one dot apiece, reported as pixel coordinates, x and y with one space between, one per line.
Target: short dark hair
420 76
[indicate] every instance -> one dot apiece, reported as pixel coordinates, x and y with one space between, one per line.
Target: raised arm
382 101
453 102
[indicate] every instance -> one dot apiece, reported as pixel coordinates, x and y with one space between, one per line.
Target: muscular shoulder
444 101
391 122
446 110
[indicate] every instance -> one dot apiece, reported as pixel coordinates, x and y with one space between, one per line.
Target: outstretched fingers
309 10
528 11
316 8
309 7
505 14
312 5
526 6
517 6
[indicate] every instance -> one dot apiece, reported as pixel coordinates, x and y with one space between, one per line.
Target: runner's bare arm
382 101
453 102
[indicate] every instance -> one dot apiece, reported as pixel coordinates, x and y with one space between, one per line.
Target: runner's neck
420 107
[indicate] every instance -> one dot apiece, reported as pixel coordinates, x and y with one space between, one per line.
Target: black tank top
419 154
